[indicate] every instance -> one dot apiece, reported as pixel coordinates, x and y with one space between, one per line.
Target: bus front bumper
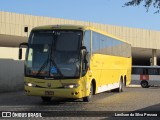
60 92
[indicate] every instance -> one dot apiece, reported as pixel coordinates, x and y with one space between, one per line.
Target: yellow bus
74 62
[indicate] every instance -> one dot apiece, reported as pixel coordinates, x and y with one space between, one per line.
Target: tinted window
95 42
68 41
146 71
137 71
154 71
87 40
106 45
102 44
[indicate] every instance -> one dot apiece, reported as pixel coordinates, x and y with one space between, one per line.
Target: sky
100 11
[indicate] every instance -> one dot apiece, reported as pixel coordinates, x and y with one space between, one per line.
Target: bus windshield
54 54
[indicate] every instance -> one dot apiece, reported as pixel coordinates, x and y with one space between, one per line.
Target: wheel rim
144 84
120 86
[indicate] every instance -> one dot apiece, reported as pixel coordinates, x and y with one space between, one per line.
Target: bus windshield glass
54 54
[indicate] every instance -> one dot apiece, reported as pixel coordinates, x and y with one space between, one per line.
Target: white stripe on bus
107 87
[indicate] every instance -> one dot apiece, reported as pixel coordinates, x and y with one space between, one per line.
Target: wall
13 24
11 70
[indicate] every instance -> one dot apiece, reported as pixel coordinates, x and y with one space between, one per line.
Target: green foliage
146 3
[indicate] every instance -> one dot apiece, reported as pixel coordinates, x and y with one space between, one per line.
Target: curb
136 86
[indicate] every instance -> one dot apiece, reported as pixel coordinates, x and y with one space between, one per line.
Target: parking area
133 98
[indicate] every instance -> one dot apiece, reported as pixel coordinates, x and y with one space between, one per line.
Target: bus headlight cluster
71 86
30 84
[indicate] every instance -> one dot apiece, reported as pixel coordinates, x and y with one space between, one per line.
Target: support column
154 57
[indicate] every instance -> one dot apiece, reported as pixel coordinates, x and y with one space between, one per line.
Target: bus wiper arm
58 70
43 66
55 36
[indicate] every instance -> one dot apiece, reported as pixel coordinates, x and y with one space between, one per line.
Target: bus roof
54 27
76 27
145 66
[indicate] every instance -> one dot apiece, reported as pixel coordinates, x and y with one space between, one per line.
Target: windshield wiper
54 45
53 62
43 66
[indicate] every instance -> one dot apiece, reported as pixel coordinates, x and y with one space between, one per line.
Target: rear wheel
46 99
124 83
144 84
88 98
120 88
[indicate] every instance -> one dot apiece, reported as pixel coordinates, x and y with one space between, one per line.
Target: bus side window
145 71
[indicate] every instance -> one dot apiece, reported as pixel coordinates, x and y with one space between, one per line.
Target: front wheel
88 98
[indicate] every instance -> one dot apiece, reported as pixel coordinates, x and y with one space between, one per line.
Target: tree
146 3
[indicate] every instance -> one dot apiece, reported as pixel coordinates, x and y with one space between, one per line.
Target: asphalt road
132 99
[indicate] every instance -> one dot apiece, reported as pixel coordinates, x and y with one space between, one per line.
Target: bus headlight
30 84
71 86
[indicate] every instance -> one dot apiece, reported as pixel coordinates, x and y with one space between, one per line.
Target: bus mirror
85 64
83 48
86 56
23 44
20 53
20 49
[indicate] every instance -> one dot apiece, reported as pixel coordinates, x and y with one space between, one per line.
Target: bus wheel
144 84
88 98
120 88
46 99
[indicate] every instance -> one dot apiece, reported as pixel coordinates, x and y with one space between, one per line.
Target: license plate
49 93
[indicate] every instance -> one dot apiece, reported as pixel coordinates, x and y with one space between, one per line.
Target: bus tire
144 84
120 88
124 82
46 99
88 98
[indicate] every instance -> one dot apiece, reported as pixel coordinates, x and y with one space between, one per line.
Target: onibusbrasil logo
20 114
